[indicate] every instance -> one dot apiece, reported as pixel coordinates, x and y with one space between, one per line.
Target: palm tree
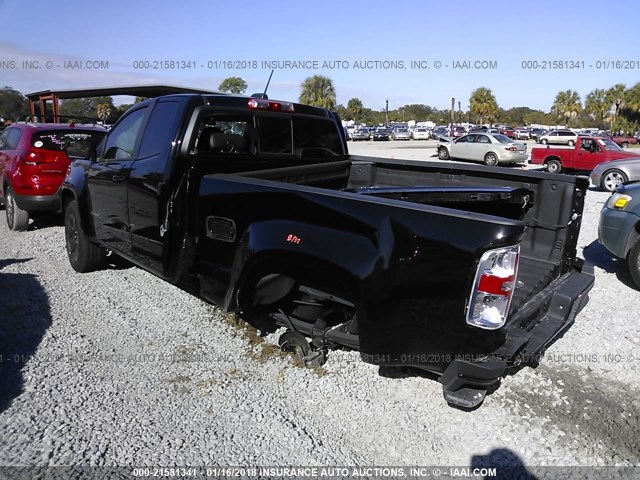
354 107
483 104
615 96
597 105
567 105
318 91
104 111
631 110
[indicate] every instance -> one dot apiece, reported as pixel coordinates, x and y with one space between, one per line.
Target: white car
400 134
522 134
483 147
559 137
420 133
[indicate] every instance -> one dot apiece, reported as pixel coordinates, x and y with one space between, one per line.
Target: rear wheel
554 166
491 159
571 143
611 179
84 255
443 153
624 144
17 218
634 262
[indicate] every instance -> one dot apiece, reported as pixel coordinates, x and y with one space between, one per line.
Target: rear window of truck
298 135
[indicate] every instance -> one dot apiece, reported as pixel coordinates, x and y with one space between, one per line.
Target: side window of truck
160 130
122 139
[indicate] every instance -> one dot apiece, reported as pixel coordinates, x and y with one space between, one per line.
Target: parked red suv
34 159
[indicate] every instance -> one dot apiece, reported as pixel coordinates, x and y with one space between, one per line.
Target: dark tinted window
315 136
122 139
274 134
10 138
160 130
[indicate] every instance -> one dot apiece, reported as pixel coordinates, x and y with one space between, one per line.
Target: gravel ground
120 368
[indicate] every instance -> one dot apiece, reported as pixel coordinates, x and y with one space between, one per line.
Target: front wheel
443 153
17 218
84 255
633 261
611 179
571 143
491 159
544 141
624 144
554 166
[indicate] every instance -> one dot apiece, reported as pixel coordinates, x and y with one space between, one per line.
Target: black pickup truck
256 206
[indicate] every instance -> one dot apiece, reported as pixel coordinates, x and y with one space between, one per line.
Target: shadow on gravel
45 220
601 258
24 320
507 463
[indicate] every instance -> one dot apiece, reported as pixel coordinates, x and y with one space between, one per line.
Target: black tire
17 218
443 153
611 179
633 260
624 144
544 141
554 166
84 255
571 143
491 159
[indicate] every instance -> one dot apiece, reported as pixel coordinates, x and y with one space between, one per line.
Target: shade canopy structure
38 100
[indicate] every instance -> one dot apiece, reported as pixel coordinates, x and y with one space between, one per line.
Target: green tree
12 103
83 109
616 99
354 109
631 110
597 105
483 104
233 85
567 105
318 91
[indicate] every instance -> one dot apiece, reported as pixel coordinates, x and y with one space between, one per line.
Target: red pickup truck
624 140
584 156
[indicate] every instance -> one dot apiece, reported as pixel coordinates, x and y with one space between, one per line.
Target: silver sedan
491 149
608 175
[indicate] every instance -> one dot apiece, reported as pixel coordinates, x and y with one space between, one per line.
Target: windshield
608 144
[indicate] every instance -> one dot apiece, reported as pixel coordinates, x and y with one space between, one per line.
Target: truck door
586 155
107 181
149 186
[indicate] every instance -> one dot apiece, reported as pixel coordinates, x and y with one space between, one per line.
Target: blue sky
506 32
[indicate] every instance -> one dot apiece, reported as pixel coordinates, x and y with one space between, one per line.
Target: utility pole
453 106
386 113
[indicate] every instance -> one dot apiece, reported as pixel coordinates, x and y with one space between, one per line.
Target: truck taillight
493 288
262 104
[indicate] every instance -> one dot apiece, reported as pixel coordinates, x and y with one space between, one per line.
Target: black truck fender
74 188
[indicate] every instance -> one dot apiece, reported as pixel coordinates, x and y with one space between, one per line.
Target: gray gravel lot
120 368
